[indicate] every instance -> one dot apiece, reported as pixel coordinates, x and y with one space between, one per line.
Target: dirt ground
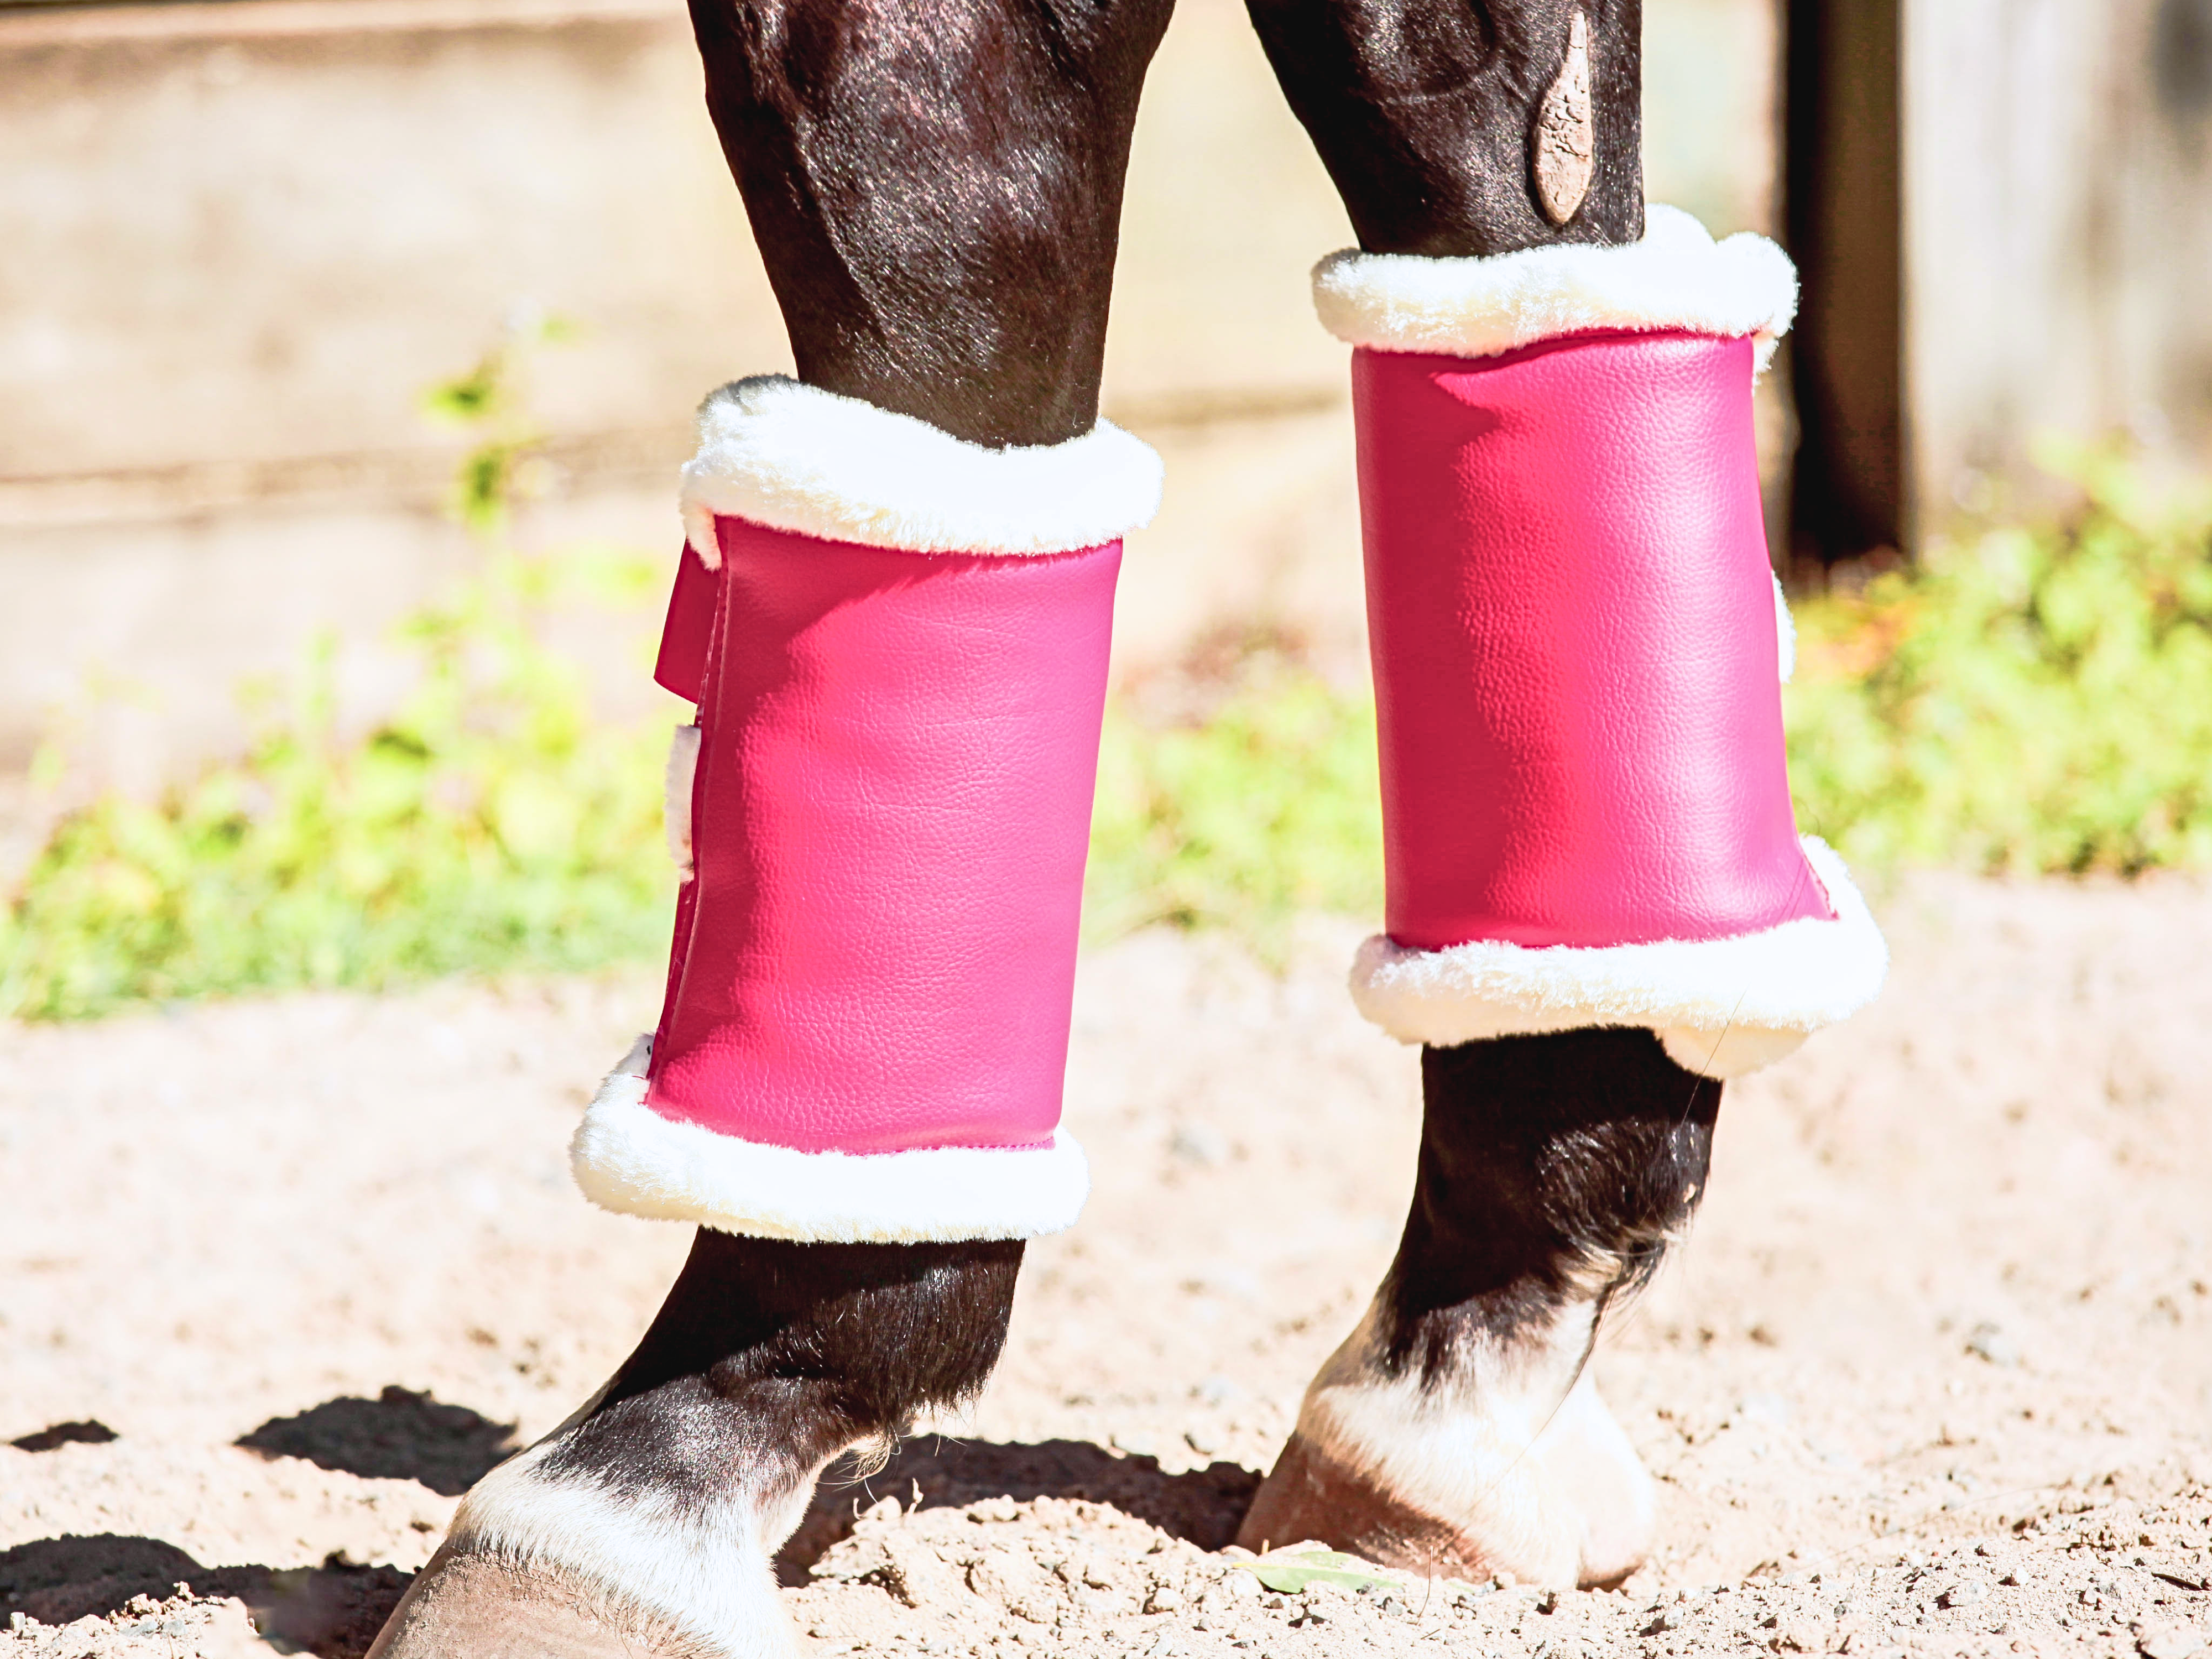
1934 1375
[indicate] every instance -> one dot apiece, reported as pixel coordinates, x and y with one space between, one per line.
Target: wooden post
1842 222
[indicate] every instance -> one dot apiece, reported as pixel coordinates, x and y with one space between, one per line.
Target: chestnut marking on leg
1458 1430
651 1516
1565 142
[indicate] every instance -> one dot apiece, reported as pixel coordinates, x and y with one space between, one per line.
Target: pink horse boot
865 1027
1578 641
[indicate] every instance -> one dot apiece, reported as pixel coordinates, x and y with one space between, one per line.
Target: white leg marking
704 1566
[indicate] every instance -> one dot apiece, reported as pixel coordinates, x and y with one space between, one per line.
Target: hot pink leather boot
1578 645
898 643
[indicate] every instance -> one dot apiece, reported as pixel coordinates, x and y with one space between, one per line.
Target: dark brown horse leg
935 185
936 188
1457 1430
1438 123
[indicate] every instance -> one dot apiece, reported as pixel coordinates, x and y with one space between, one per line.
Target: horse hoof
478 1607
1455 1478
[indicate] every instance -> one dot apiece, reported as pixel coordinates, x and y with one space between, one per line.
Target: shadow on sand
333 1611
1204 1505
398 1436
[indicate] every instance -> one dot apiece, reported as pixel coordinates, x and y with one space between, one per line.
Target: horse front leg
1597 905
892 613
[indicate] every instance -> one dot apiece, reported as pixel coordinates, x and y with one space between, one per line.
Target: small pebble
1990 1342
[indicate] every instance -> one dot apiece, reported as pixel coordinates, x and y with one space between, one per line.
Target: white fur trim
705 1566
1731 1005
1677 277
676 812
796 458
628 1157
1785 630
1737 1051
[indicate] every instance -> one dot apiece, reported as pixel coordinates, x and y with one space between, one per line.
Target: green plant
1294 1570
2028 700
491 404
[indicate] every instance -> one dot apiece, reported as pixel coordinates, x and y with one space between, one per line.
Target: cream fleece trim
1785 630
675 809
1677 277
628 1158
796 458
1730 1005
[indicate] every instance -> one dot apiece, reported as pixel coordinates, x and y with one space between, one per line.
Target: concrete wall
241 239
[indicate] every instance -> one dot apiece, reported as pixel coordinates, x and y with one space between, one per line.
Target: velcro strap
681 665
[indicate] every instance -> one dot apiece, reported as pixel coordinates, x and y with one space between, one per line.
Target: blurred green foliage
1267 807
491 822
491 404
2027 701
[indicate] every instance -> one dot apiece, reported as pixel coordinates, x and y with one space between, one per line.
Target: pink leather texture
1572 626
889 818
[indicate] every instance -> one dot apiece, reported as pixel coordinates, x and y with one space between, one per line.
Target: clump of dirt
180 1623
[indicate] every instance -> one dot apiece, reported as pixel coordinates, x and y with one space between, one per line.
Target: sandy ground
1934 1375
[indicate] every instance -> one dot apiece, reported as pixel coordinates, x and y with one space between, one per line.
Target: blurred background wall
239 239
2003 211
